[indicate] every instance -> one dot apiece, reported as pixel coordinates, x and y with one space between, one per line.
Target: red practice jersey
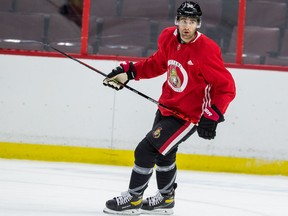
196 76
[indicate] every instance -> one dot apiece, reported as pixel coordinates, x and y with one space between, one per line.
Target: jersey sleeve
222 84
156 64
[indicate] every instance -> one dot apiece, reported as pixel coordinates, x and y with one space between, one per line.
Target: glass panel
54 22
64 30
228 29
132 27
264 32
129 27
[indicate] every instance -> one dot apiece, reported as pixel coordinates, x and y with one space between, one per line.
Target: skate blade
158 212
125 212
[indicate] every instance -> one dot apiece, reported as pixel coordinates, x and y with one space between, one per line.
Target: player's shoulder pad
167 34
169 31
208 42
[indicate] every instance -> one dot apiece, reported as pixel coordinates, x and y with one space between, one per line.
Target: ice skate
126 204
160 204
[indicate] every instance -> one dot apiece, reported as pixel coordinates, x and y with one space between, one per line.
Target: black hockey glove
208 122
120 76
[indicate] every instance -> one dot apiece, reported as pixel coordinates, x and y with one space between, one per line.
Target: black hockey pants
159 147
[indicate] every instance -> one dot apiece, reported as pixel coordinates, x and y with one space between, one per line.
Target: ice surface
52 189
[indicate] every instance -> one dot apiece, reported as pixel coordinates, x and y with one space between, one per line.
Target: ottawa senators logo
174 79
156 133
177 76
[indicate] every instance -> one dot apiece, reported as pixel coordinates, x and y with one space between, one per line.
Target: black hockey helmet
189 9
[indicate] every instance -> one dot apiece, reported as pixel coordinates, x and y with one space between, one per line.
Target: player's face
187 28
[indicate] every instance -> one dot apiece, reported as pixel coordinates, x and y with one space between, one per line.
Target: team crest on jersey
174 79
177 76
157 133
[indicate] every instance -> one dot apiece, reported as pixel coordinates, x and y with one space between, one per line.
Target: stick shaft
179 115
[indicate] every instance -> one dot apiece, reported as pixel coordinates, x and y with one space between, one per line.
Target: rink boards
125 158
57 110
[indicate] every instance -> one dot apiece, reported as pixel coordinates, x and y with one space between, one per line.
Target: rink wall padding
54 109
118 157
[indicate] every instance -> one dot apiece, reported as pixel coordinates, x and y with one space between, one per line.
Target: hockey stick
175 113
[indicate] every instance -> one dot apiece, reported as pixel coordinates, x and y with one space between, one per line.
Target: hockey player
198 86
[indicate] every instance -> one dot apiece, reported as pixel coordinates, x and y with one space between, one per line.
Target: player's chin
186 36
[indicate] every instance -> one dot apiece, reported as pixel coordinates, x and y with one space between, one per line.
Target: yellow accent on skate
169 200
136 203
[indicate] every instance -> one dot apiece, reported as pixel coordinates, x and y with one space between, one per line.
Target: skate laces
124 198
155 200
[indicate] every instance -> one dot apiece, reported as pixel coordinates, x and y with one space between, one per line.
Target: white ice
30 188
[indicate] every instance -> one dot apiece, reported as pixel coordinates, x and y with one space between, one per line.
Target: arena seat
120 50
258 42
104 8
64 34
6 5
266 14
282 57
157 10
117 32
282 1
21 27
38 6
